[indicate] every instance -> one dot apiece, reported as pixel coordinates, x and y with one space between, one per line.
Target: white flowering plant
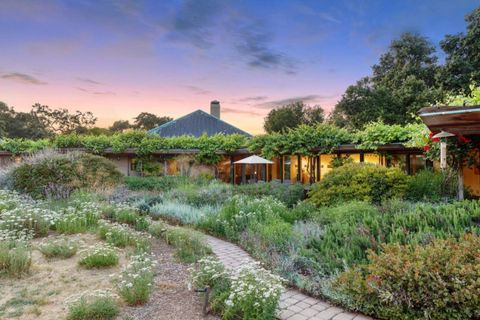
58 248
99 256
21 218
121 235
254 293
210 274
78 217
135 283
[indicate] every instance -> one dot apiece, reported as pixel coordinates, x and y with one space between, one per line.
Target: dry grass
45 292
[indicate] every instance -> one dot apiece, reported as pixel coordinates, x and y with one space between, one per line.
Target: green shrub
181 212
271 235
98 308
158 229
436 281
351 229
77 217
428 185
240 212
58 175
99 257
213 194
290 194
165 183
58 248
303 210
190 245
135 284
15 258
359 181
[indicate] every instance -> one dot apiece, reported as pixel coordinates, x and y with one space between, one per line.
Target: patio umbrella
253 160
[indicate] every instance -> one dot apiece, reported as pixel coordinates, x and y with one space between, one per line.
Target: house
197 123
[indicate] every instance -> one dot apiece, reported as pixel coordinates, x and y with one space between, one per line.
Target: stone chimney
215 108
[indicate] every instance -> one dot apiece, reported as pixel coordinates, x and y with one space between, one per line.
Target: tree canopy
403 81
147 121
462 62
291 116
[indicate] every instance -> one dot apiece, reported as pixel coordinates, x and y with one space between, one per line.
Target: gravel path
171 299
294 305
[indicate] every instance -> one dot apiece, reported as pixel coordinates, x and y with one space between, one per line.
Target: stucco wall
121 162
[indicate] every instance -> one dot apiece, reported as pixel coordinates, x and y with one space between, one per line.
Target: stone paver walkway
294 305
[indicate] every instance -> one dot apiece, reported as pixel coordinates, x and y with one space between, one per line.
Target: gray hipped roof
196 124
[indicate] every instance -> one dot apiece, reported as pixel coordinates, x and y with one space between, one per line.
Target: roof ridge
201 112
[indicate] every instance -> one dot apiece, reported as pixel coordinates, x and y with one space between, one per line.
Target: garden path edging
293 305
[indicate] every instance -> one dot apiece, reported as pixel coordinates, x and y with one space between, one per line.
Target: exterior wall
122 163
472 180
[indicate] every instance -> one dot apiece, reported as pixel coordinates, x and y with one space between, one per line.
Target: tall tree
462 63
402 82
292 116
363 103
120 125
147 121
61 120
20 124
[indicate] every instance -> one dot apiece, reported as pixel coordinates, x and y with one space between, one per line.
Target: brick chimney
215 108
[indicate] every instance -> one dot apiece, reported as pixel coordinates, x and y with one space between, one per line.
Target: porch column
407 164
244 178
232 170
299 169
362 157
318 168
265 172
281 169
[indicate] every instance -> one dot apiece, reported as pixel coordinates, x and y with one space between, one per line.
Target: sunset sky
119 58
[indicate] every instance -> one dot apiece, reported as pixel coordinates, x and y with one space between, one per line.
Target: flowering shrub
121 235
98 257
22 219
15 258
210 273
189 245
436 281
62 248
98 305
241 212
135 284
254 294
78 217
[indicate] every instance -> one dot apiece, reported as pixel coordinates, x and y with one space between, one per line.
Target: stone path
294 305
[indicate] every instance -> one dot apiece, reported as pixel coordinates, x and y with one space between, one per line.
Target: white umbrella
253 160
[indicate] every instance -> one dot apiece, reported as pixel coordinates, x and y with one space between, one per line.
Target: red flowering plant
461 150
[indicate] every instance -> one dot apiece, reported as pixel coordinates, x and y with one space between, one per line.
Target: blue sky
118 58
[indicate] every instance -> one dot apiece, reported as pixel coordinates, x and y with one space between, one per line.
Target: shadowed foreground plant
15 258
98 307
